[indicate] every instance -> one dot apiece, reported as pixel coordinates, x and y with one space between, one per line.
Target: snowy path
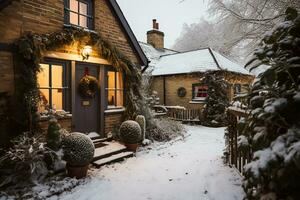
190 169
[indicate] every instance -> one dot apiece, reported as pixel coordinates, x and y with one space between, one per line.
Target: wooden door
87 110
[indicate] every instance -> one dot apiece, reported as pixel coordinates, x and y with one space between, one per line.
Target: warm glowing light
86 52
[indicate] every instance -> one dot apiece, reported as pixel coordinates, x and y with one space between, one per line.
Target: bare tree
237 26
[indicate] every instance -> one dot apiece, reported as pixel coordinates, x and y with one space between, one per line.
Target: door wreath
88 86
181 92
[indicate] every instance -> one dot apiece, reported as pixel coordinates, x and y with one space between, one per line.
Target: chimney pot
154 23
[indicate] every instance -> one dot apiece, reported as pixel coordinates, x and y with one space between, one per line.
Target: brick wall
156 39
6 72
112 121
157 85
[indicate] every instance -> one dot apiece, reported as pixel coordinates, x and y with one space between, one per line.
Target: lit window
115 89
53 87
199 92
79 13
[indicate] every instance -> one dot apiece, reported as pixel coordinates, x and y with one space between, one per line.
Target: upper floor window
200 92
79 13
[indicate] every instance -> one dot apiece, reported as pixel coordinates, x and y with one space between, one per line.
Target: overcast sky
171 15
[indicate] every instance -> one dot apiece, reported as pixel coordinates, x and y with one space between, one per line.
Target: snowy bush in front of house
53 135
166 129
78 149
273 127
130 132
140 119
24 164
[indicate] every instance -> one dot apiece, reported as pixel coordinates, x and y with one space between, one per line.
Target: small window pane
111 80
74 5
43 76
83 8
57 76
44 100
120 98
111 98
57 99
74 18
83 21
119 80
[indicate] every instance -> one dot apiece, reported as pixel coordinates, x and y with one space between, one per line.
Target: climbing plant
29 51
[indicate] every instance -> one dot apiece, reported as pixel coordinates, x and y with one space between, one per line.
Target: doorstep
109 152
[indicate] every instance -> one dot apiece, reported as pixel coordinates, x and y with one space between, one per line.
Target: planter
132 147
77 171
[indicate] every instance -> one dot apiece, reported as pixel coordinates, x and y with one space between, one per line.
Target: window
199 92
79 13
237 89
54 87
115 89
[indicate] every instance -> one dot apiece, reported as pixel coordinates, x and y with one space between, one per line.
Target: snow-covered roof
154 54
201 60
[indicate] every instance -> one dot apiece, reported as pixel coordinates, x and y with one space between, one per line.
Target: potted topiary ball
130 134
78 153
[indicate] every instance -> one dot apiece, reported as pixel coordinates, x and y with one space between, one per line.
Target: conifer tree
216 101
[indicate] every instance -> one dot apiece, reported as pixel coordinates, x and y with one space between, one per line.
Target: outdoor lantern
86 52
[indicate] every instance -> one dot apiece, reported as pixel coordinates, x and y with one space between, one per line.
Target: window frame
66 83
90 13
110 107
194 98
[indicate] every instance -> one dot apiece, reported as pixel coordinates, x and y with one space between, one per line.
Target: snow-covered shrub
24 163
130 132
273 128
78 149
217 100
166 129
140 119
53 135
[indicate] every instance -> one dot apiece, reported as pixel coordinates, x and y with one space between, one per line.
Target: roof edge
129 32
213 55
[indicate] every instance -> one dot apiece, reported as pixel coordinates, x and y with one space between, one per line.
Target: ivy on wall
29 51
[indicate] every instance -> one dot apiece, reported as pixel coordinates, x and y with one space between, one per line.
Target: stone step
107 149
113 158
101 139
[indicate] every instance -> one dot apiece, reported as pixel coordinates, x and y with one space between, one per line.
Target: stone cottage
177 75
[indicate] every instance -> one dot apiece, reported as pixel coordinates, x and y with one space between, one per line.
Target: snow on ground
186 169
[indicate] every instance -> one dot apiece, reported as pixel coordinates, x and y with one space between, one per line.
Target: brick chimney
155 37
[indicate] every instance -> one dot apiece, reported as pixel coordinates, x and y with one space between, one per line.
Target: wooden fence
185 115
237 158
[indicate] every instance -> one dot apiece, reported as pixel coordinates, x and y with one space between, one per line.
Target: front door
87 110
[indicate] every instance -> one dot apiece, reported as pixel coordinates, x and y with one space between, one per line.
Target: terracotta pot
77 171
132 147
